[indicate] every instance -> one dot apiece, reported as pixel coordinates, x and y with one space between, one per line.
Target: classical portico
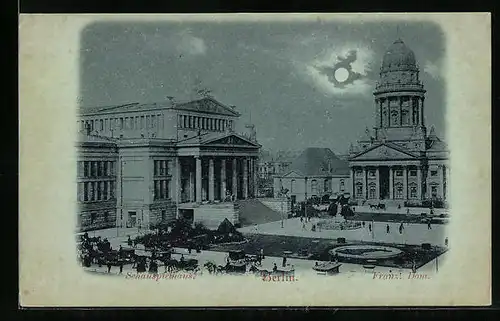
217 168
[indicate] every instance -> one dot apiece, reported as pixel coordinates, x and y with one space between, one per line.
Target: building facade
171 160
316 172
399 160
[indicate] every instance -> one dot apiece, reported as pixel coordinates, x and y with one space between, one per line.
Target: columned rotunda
399 160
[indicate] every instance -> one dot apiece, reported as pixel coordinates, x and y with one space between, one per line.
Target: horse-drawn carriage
379 206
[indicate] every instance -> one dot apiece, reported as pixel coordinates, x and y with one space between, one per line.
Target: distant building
270 166
145 164
316 172
399 161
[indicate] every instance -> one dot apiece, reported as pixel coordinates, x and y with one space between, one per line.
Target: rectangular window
434 173
148 121
371 173
102 124
111 168
93 169
105 191
86 192
185 121
153 121
111 190
121 123
399 173
413 173
434 191
93 217
198 122
92 191
142 122
99 191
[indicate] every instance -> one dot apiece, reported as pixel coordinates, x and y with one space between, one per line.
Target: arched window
314 187
327 185
372 190
292 186
413 190
359 190
342 185
399 190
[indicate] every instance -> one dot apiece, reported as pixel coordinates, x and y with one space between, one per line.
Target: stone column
441 181
255 174
245 178
419 182
211 180
198 179
377 182
391 183
400 120
365 189
405 183
351 176
177 184
191 184
222 179
235 178
422 111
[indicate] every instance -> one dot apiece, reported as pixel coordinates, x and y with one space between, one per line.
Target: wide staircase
252 211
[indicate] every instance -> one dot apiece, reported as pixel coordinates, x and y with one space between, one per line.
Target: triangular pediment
231 140
292 174
208 105
383 152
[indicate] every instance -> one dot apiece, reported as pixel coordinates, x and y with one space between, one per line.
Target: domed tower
399 99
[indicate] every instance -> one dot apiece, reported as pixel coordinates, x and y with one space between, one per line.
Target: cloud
354 59
183 43
432 69
191 45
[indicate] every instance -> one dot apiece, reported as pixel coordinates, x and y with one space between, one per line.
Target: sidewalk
402 210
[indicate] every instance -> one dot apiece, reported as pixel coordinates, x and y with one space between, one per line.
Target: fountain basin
366 252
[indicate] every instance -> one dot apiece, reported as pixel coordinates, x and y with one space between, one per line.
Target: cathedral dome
399 57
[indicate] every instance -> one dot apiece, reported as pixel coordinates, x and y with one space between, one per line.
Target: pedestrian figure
429 225
109 267
407 211
399 206
446 242
301 219
370 227
121 267
363 223
304 226
275 267
262 253
284 261
388 229
129 241
316 264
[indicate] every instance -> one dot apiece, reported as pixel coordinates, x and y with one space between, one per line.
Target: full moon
341 74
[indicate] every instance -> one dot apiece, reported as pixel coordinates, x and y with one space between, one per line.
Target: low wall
278 205
211 215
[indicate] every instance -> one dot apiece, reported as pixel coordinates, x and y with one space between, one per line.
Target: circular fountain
366 252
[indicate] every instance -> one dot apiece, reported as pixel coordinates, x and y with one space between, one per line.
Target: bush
341 240
426 246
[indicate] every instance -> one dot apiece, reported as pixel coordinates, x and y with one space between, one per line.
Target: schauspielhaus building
399 160
145 164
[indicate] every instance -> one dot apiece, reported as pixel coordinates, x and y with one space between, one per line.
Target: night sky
279 75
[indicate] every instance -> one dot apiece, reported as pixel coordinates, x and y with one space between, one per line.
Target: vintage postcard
255 160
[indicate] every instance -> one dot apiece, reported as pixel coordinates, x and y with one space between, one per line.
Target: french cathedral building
399 160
